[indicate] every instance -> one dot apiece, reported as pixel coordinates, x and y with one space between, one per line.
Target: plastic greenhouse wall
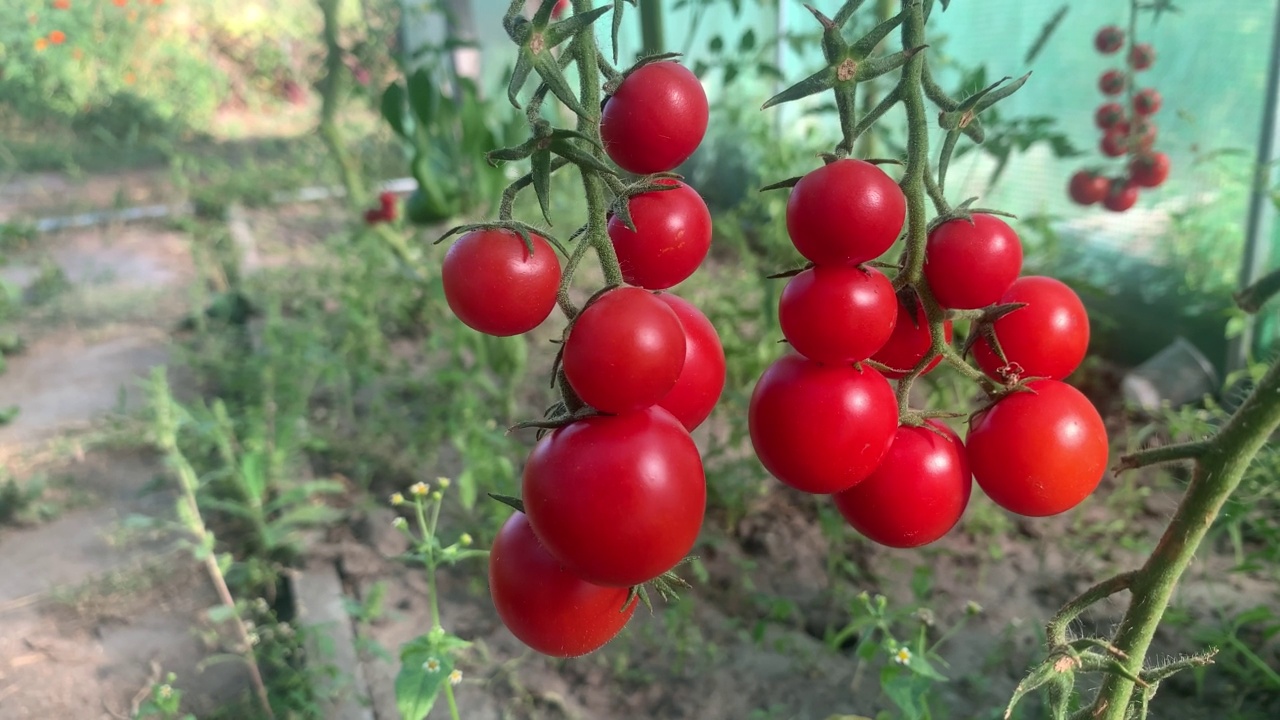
1175 258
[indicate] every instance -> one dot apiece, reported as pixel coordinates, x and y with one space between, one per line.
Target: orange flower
120 3
61 4
57 37
41 44
130 78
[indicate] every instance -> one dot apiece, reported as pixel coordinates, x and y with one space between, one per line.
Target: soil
90 613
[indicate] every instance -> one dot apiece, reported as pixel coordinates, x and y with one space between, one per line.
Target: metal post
1261 219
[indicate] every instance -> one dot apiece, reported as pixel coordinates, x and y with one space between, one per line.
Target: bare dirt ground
89 609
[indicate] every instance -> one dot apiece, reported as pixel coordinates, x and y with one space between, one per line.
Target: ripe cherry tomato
918 492
1046 338
494 285
1041 453
701 381
545 606
1149 170
838 313
1147 102
560 8
656 119
1122 195
970 264
387 203
624 351
847 212
1142 56
909 342
1109 39
1115 141
671 239
821 428
1087 188
1112 82
618 500
1108 115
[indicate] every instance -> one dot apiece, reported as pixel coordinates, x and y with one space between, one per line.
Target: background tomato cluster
1126 133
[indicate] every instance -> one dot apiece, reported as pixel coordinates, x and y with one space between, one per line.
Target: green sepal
823 80
570 26
867 43
540 171
576 155
524 65
549 70
944 157
511 154
617 24
846 11
514 503
869 69
788 183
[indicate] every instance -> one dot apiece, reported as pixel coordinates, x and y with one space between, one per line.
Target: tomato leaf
824 79
425 665
540 171
392 107
424 97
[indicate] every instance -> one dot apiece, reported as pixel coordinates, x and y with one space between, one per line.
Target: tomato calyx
536 39
984 328
666 585
510 501
656 182
524 230
1012 387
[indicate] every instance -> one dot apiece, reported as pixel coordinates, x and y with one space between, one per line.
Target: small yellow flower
41 44
419 488
399 523
431 665
903 656
166 691
455 677
464 539
254 639
437 495
443 482
397 498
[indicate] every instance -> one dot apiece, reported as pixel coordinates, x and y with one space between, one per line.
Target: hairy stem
913 180
1218 473
586 56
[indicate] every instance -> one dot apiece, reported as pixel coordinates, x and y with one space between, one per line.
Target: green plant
428 662
163 702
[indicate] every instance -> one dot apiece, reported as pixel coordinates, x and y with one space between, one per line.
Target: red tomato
1149 170
545 606
1122 195
618 500
625 351
838 313
672 237
1113 82
1109 39
909 342
821 428
918 492
1046 338
655 120
1087 188
560 8
1147 102
1142 56
1115 142
847 212
970 264
1108 115
1041 453
494 285
698 388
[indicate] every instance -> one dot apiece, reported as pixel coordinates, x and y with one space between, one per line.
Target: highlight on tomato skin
917 494
544 605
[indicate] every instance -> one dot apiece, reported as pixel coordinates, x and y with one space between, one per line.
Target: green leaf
549 70
253 472
392 106
730 73
572 25
424 97
423 672
1046 32
716 45
905 690
747 42
524 65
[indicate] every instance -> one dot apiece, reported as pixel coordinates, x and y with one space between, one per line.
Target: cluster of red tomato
1131 134
615 498
824 422
385 212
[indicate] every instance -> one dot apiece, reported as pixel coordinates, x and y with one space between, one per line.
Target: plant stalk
330 95
1217 475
